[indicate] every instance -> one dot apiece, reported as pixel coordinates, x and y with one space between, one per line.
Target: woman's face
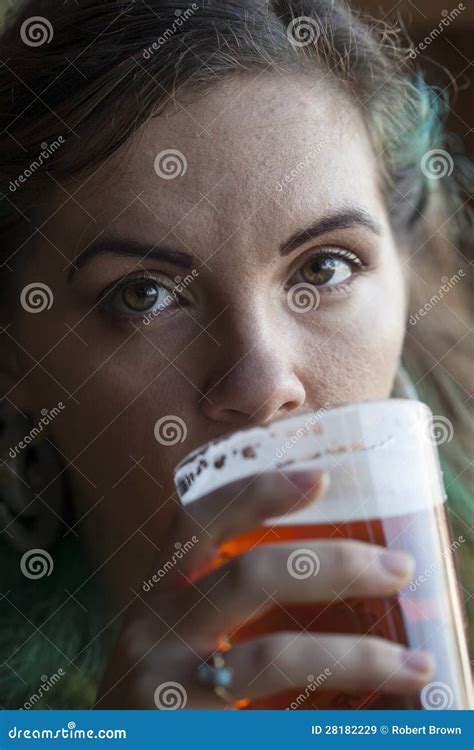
280 188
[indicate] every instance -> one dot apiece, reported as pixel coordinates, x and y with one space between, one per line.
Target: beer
425 615
370 499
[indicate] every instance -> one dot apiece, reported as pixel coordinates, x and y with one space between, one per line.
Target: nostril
290 406
250 395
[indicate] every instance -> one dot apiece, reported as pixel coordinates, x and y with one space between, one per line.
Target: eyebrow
131 248
340 220
120 245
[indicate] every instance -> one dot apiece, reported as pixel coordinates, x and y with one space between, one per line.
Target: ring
216 674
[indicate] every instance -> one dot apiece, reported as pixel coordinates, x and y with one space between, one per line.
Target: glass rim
340 408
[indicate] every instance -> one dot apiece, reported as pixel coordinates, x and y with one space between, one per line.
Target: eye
139 296
330 268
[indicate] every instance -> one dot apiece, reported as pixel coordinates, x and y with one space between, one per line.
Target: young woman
170 173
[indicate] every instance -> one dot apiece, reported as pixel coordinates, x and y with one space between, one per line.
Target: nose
253 387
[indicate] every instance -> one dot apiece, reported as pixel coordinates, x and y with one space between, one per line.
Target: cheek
116 383
121 474
124 438
358 352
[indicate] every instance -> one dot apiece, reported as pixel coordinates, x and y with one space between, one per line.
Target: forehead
257 153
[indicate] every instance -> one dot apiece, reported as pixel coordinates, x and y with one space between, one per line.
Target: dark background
452 49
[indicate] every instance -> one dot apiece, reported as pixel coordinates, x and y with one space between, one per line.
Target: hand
174 627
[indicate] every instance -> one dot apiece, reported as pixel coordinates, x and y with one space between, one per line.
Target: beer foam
380 455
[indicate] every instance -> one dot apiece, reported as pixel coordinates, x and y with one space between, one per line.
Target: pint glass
386 488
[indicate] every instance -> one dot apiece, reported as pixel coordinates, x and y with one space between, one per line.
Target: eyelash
336 253
114 290
339 252
106 297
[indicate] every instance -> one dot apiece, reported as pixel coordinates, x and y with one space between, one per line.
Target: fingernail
399 564
307 480
418 661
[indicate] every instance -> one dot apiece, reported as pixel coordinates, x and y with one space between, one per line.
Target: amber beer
386 489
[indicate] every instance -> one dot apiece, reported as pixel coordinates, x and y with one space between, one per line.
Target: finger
205 524
277 662
252 583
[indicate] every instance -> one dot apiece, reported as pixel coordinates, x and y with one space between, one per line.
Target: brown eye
326 270
140 296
